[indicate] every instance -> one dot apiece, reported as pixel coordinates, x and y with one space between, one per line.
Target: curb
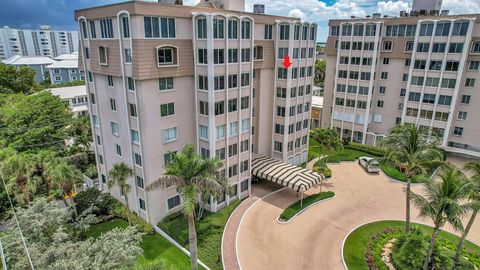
372 221
304 209
244 214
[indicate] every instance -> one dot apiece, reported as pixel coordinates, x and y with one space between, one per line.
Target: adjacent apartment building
160 76
421 68
42 42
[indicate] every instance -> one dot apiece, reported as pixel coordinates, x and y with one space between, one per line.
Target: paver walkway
313 240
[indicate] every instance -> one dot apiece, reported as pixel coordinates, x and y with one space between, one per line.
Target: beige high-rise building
419 69
163 75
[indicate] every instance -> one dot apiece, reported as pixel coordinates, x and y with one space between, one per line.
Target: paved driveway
313 240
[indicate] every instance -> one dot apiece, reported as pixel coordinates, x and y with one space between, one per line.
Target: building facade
415 69
74 96
42 42
65 69
38 63
161 76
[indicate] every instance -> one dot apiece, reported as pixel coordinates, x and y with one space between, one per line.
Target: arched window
201 27
103 55
232 29
167 56
83 28
246 29
476 47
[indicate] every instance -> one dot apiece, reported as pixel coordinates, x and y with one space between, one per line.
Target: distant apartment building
42 42
316 112
74 96
65 69
160 76
421 68
37 63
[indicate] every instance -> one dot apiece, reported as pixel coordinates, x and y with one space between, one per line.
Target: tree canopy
17 79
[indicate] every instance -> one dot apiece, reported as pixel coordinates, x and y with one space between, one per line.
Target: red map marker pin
286 62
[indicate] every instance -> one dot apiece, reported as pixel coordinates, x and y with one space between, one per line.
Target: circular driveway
313 239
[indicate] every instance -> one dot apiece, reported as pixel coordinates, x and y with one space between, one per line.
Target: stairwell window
110 80
103 55
128 55
125 27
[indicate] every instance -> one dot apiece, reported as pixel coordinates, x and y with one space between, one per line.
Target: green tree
17 80
18 169
81 134
320 67
34 122
119 175
474 203
409 151
442 203
328 139
64 177
189 173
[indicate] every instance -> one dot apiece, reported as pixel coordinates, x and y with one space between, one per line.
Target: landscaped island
363 247
297 207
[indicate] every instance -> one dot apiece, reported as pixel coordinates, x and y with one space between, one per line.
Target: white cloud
463 7
392 8
298 13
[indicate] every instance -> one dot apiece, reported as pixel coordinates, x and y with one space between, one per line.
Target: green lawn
294 208
154 247
346 155
356 243
209 232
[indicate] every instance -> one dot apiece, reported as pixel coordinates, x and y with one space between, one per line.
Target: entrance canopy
285 174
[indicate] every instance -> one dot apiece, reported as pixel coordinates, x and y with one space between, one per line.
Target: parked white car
369 164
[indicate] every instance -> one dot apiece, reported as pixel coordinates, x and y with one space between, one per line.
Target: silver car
369 164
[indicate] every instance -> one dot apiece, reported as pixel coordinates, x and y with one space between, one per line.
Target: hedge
372 150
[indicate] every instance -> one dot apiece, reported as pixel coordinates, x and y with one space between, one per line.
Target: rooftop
69 92
67 56
28 60
64 64
317 101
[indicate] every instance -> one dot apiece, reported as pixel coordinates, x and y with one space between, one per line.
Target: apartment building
160 76
420 68
65 69
42 42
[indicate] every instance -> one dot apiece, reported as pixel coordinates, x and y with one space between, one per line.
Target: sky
30 14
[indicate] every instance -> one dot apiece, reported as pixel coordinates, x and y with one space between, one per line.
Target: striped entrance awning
285 174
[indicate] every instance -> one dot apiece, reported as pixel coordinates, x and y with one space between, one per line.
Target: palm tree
118 175
442 203
64 177
190 174
409 151
328 139
19 169
474 202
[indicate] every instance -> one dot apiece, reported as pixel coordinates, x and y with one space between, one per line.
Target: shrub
372 150
103 202
91 171
121 211
410 250
373 255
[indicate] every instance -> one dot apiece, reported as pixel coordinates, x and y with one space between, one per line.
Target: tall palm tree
442 203
190 174
19 169
409 151
119 175
328 139
64 177
474 202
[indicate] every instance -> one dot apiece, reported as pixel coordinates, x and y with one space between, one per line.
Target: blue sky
59 13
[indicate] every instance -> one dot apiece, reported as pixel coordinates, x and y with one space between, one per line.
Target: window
281 92
218 28
125 27
165 56
246 29
173 202
268 31
470 82
168 157
156 27
423 47
203 132
93 32
449 83
220 132
246 55
232 150
417 80
244 102
202 56
138 159
128 55
113 104
429 98
202 82
426 29
439 47
419 64
384 75
451 66
409 46
103 55
460 28
203 107
444 100
232 105
277 146
387 46
458 131
465 99
279 129
232 29
232 55
218 56
476 47
219 82
433 82
474 65
284 31
346 30
244 166
280 111
381 90
106 28
380 103
462 115
165 83
167 109
455 48
258 53
244 186
169 134
201 28
386 61
220 153
245 125
115 129
232 170
87 54
244 145
443 28
219 107
204 153
435 65
131 83
132 108
441 116
233 128
232 81
139 181
95 120
90 76
141 204
245 79
135 136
